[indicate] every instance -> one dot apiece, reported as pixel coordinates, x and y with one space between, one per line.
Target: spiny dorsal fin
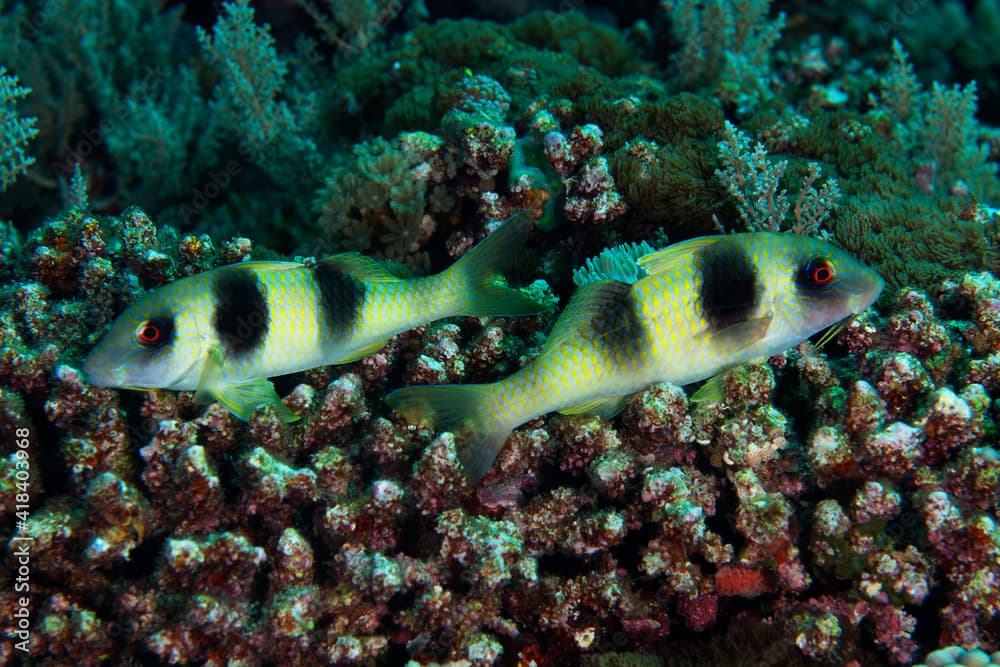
616 263
669 257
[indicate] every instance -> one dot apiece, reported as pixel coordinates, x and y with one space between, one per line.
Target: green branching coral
355 25
87 52
15 131
937 127
251 93
178 139
753 181
726 47
80 60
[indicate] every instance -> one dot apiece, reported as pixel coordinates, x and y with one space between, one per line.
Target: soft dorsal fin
359 266
398 269
265 264
671 256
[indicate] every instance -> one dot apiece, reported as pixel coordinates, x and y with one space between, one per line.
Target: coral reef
837 504
203 546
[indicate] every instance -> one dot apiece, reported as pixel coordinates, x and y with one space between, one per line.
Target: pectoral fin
240 398
741 334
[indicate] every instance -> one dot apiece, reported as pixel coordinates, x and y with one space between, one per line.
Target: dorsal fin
669 257
359 266
265 264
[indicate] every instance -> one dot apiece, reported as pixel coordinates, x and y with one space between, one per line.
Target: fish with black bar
682 314
223 332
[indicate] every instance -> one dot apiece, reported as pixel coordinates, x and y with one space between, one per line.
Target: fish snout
100 374
868 294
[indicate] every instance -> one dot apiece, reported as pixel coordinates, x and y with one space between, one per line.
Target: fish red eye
822 274
817 272
152 333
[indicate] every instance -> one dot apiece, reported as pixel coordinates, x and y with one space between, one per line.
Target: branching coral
252 80
15 131
726 47
382 198
753 181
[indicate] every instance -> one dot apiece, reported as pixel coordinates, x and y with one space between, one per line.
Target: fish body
692 311
224 331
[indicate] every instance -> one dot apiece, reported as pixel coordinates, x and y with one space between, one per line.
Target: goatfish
681 314
223 332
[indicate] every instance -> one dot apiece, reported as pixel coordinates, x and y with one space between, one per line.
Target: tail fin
481 268
463 409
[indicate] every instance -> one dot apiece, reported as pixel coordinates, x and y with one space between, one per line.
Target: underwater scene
661 333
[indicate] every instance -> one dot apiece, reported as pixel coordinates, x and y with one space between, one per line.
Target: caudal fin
479 271
462 409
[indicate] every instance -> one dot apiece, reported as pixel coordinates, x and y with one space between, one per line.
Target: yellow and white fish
681 314
224 331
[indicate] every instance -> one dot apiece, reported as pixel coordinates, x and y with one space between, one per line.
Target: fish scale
693 310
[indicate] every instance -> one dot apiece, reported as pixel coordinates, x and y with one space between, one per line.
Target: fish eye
154 332
816 273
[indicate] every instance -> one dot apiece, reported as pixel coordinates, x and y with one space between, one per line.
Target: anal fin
712 391
367 350
602 407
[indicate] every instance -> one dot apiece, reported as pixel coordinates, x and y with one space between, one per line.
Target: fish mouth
868 296
101 376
